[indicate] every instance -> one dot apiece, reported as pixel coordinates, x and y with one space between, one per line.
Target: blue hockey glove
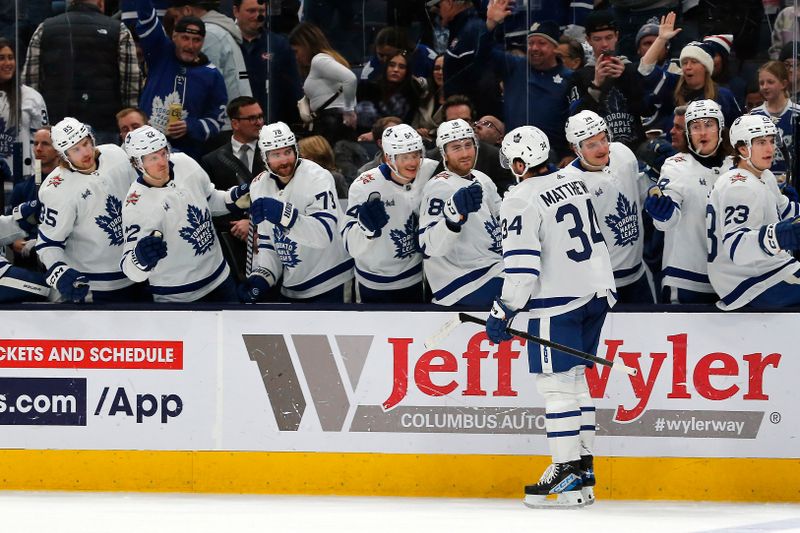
660 207
497 324
372 216
781 236
256 286
72 285
466 200
149 251
26 215
240 198
790 192
279 213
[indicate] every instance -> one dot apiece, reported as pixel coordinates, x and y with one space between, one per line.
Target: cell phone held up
606 55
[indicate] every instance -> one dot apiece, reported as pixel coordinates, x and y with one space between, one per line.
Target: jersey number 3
577 230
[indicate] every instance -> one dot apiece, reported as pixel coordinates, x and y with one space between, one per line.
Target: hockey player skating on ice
383 219
458 228
678 205
752 227
611 172
557 267
295 209
169 236
80 234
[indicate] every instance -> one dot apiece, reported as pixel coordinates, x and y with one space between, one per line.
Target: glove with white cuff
464 201
149 251
279 213
780 236
26 215
239 197
72 285
372 216
497 324
256 286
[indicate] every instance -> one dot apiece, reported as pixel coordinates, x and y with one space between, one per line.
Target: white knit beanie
699 52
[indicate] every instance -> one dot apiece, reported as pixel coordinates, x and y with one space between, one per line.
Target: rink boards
346 402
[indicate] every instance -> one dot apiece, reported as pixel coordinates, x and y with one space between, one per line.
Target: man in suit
235 162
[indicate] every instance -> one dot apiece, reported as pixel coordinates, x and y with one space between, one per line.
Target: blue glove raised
72 285
279 213
240 197
497 324
790 193
149 251
256 286
660 207
466 200
372 216
781 236
26 215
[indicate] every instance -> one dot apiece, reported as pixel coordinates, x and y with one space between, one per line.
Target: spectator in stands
458 224
785 30
488 157
773 81
297 215
644 40
720 48
18 119
389 42
429 114
490 130
788 56
128 120
329 86
536 85
317 149
236 163
570 52
694 82
395 93
84 65
376 135
678 131
611 87
630 15
220 45
185 95
462 73
271 65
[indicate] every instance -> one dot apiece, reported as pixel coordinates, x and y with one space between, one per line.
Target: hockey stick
450 325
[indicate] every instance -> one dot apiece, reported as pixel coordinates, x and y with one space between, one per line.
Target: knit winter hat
719 44
548 29
700 52
649 28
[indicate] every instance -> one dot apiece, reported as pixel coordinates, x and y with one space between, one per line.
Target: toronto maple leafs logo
111 222
625 223
286 249
493 229
159 115
86 194
405 240
7 136
199 233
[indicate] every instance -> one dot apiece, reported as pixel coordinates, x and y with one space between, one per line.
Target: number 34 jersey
554 254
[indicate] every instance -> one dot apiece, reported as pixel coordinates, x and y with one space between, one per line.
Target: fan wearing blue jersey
297 217
169 236
558 269
678 205
752 227
458 228
611 172
380 231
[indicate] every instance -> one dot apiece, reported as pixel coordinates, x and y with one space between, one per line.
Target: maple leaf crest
199 233
405 239
111 222
286 248
625 223
493 229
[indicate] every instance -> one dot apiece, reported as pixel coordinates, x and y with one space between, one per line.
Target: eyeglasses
251 118
486 124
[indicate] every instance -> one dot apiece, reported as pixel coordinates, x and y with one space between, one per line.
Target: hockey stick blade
615 365
442 333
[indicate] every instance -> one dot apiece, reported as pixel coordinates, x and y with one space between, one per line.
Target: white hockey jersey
458 263
181 210
81 219
310 255
9 232
617 197
393 259
739 204
32 116
554 254
687 182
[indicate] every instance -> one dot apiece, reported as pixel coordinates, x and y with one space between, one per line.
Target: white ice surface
87 512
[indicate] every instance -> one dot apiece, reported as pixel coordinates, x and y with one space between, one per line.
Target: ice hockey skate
587 477
559 487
